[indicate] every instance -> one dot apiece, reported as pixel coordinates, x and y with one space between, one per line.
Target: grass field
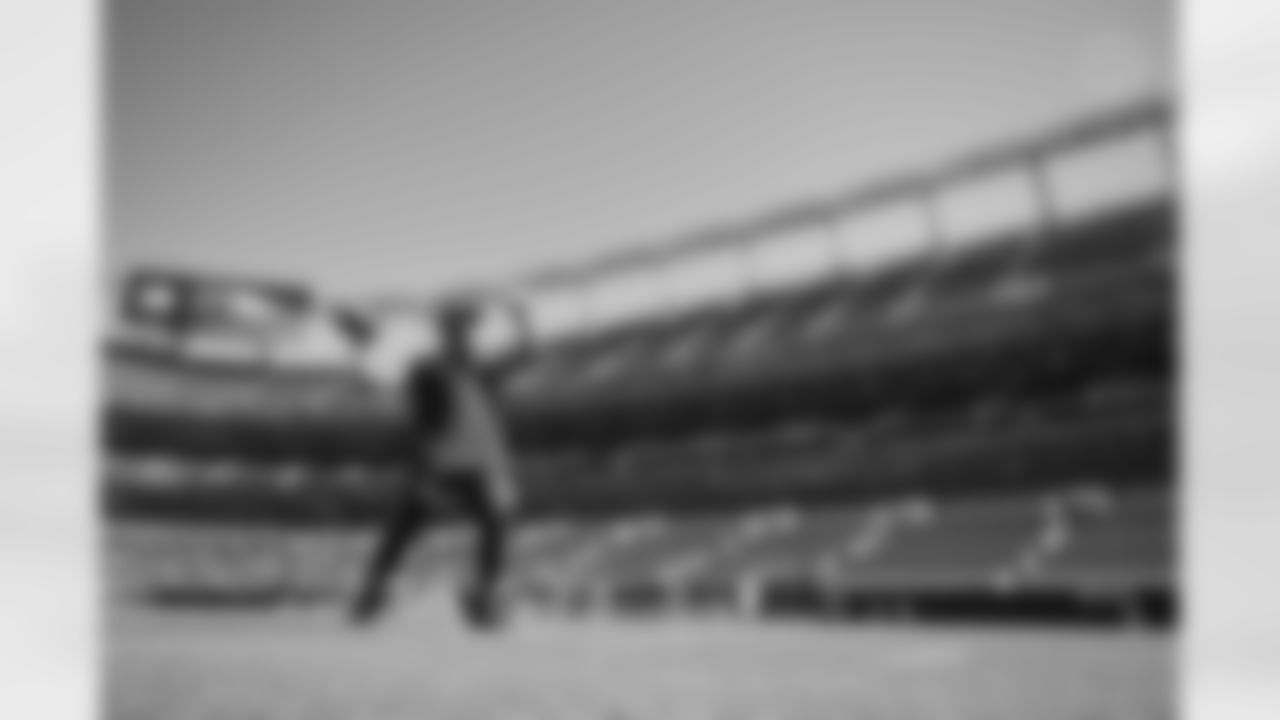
421 664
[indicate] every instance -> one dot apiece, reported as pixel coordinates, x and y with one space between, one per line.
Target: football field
420 664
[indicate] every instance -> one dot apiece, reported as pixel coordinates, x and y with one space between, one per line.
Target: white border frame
50 657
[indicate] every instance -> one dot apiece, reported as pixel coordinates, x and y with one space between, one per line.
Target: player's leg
409 516
492 519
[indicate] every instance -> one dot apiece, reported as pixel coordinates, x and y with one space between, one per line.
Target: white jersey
473 440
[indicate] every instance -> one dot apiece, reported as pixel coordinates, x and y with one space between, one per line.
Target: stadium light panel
988 208
797 257
1110 174
629 295
559 312
701 280
879 237
183 303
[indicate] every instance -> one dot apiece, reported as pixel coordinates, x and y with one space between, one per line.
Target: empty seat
680 542
1125 543
541 559
787 546
963 545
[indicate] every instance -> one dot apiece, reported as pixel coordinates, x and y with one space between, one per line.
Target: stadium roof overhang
913 187
1068 138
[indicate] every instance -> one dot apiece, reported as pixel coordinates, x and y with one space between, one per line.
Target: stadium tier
927 305
1074 336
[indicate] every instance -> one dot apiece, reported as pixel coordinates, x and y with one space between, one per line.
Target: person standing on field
460 457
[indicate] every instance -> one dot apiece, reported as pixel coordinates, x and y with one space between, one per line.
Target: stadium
838 460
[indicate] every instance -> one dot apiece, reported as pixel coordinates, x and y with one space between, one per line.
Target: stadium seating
1114 544
1120 429
963 545
1135 245
784 544
1086 541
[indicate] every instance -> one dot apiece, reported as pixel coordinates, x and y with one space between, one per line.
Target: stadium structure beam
1070 137
921 184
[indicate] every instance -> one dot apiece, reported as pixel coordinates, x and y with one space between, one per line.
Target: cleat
368 608
483 610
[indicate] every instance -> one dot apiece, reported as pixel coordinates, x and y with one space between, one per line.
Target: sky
403 147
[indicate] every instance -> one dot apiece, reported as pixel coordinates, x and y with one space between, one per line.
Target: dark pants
420 507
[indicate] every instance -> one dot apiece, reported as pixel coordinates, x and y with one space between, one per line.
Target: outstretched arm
524 346
485 304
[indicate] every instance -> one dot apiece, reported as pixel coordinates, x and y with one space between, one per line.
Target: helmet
457 312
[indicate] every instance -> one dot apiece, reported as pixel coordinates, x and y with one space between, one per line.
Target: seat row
1088 539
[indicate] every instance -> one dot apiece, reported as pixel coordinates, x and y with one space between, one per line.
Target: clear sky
404 145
